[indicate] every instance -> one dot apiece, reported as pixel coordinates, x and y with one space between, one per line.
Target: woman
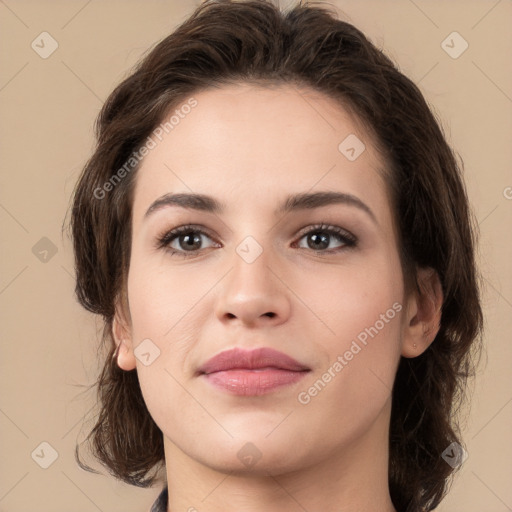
279 241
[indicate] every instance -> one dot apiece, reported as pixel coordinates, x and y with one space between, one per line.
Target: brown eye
182 240
320 237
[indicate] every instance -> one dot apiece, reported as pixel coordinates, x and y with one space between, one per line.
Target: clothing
160 505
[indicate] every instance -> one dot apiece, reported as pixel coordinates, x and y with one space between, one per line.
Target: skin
250 147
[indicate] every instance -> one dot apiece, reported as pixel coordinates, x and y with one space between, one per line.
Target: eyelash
163 241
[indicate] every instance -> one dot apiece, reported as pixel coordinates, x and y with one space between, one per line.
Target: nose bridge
252 262
252 272
252 291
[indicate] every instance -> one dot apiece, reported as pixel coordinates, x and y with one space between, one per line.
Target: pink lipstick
252 373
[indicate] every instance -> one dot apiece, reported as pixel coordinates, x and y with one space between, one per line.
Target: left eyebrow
318 199
294 202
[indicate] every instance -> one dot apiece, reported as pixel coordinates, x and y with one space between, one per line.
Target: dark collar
160 505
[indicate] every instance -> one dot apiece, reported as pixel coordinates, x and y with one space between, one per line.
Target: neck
352 478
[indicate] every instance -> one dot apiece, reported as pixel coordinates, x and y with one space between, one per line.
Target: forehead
242 141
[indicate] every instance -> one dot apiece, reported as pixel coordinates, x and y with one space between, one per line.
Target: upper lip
237 358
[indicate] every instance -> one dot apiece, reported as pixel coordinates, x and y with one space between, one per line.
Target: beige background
48 109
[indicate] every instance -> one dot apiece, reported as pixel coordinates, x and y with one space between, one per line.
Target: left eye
188 239
320 236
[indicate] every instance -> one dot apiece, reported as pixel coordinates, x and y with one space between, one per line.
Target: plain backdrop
48 106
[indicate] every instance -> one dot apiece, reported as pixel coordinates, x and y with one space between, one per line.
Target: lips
251 373
261 358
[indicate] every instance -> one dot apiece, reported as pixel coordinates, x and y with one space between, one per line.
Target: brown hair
227 42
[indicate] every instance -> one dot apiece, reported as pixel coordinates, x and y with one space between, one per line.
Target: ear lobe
121 333
424 311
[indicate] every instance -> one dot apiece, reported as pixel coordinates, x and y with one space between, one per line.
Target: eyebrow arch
294 202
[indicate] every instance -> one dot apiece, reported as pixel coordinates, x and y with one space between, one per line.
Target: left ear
423 313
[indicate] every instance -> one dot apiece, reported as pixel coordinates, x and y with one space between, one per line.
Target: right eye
183 241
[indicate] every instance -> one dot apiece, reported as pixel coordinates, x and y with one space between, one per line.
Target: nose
253 294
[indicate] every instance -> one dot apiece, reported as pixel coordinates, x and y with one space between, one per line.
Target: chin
249 452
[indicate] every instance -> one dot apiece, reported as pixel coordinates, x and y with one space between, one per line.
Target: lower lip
253 382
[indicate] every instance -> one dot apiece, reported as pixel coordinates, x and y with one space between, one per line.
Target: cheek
162 311
361 309
349 391
167 308
353 299
161 299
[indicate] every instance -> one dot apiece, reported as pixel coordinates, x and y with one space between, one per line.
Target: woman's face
250 276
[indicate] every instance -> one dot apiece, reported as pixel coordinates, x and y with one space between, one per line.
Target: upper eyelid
323 226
